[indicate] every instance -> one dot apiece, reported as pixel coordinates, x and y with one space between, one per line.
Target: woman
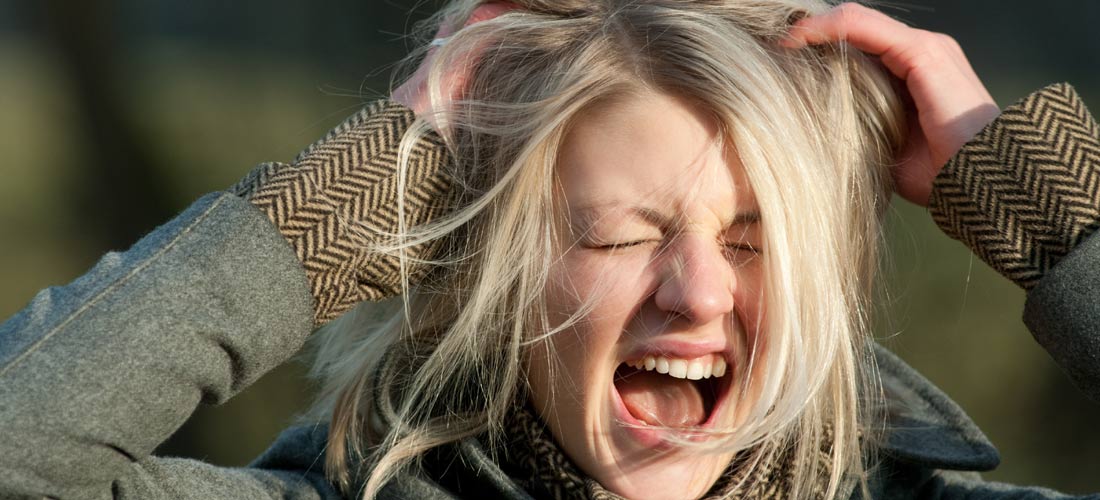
635 261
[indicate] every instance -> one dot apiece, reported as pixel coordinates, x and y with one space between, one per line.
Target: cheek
749 300
752 314
607 295
606 289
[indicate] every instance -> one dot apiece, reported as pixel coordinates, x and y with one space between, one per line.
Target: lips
671 392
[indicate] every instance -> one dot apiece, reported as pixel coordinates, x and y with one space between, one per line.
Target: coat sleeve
1024 195
352 189
955 485
94 375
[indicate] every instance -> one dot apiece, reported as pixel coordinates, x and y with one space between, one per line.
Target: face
660 257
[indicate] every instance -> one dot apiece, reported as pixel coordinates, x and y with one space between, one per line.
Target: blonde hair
815 130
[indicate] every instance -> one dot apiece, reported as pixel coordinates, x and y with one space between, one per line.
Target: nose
697 281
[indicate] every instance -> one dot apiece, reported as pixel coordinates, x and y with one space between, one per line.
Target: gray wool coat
95 374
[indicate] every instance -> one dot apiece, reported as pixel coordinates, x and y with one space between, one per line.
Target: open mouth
671 392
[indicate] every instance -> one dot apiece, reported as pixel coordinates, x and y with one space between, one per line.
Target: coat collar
924 427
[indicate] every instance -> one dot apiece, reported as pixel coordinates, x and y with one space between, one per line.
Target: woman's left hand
951 102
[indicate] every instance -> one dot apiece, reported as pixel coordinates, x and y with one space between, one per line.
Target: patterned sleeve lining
341 190
1026 190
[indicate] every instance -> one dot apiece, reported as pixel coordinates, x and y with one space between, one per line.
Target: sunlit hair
815 129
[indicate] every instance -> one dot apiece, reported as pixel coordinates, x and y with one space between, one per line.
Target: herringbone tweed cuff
1026 190
340 195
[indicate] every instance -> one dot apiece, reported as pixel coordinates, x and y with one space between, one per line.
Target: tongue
658 399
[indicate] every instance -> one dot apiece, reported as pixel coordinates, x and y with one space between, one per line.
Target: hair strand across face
814 130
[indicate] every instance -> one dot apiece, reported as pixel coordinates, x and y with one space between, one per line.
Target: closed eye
625 244
742 246
741 253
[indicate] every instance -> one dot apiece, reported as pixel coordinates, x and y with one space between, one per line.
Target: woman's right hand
414 93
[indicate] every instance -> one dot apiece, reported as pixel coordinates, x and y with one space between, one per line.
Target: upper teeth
695 369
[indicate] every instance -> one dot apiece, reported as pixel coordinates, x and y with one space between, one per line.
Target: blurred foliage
188 96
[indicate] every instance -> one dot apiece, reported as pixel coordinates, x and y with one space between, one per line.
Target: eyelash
729 246
616 246
743 246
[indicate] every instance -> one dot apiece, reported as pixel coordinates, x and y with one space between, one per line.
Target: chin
621 431
665 475
637 460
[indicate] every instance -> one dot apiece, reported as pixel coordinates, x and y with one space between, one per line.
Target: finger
483 12
864 28
456 77
487 11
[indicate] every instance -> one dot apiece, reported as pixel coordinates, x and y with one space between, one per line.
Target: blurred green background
115 114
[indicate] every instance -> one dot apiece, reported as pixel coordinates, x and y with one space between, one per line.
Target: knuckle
929 42
938 46
850 12
950 42
919 49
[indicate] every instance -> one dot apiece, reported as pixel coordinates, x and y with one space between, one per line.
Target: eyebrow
590 215
745 218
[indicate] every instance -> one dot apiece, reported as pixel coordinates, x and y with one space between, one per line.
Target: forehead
651 149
